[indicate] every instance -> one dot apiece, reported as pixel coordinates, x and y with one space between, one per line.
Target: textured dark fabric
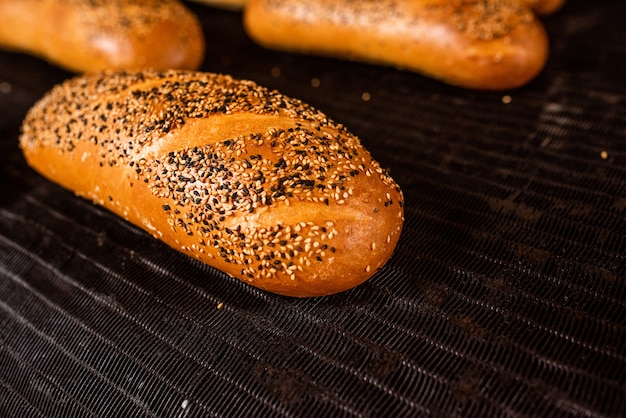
506 295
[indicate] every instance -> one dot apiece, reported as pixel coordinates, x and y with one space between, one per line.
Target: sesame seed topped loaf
259 185
480 44
92 35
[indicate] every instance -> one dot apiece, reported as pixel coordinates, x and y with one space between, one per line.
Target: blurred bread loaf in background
91 35
480 44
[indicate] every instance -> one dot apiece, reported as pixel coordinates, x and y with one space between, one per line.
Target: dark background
506 295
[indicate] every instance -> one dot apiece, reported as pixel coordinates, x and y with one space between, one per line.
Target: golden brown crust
254 183
92 35
545 7
482 44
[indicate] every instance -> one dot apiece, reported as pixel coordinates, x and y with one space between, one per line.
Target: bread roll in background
91 35
256 184
542 7
479 44
545 7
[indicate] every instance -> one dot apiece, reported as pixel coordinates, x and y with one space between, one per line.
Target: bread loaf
481 44
545 7
92 35
256 184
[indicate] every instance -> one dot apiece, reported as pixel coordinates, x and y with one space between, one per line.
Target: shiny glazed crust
256 184
481 44
92 35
